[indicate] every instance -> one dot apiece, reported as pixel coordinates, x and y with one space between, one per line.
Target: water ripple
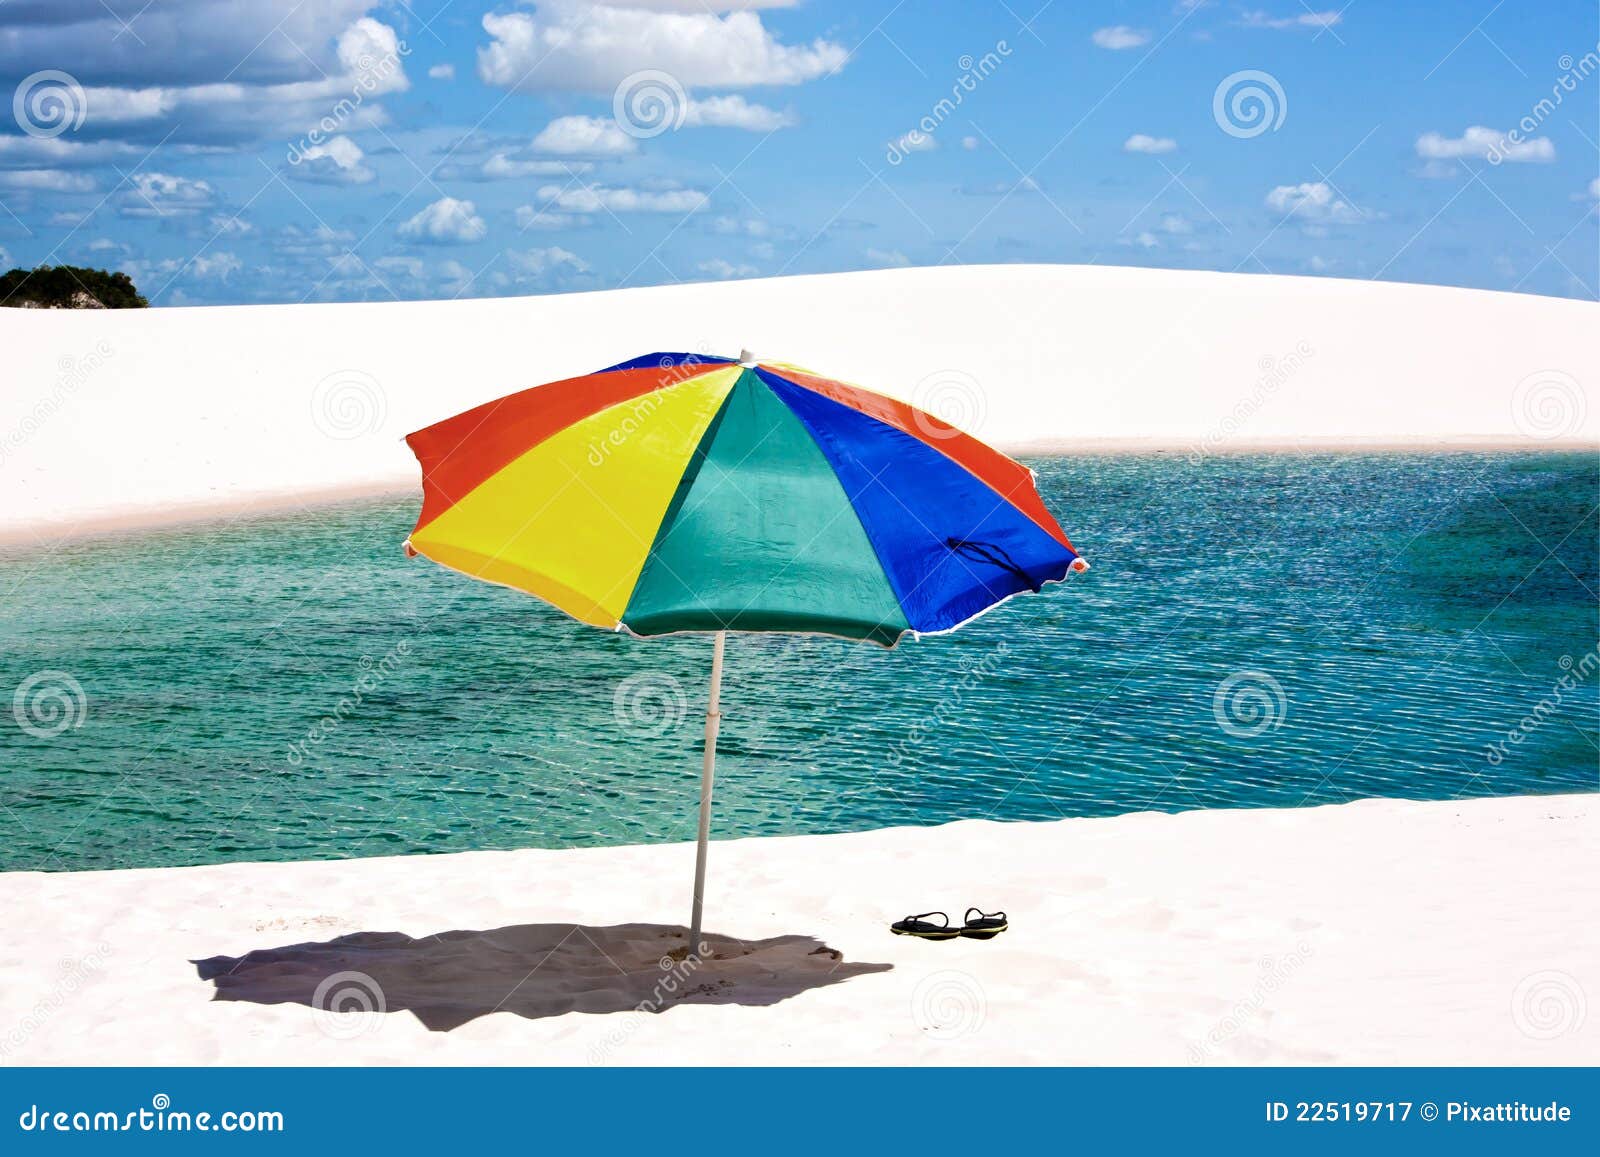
291 687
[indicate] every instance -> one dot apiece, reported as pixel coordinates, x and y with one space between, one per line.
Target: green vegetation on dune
69 287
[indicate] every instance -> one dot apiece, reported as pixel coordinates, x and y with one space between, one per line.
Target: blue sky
229 151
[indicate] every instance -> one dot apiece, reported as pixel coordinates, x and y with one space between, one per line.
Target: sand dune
1381 932
128 417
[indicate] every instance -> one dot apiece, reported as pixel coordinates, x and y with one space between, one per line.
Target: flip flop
987 926
925 929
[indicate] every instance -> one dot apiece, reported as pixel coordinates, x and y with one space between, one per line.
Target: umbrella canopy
680 492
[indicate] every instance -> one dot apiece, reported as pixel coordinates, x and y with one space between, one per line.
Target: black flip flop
987 926
925 929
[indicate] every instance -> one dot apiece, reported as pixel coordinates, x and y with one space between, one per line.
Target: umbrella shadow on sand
533 970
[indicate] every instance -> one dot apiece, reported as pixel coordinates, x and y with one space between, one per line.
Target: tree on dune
69 287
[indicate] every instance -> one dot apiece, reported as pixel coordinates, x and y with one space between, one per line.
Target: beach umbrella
684 493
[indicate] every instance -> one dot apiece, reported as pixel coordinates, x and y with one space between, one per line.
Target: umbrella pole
708 768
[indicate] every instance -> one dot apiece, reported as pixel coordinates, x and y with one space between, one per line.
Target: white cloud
574 45
60 152
1175 224
504 167
1484 144
214 84
323 241
177 41
1140 143
723 270
337 161
224 225
1305 20
969 143
891 257
1315 203
594 198
442 72
47 181
734 112
915 141
1120 36
407 267
5 258
164 195
582 136
447 221
457 277
705 5
733 226
203 267
215 266
1147 240
1005 188
538 262
530 218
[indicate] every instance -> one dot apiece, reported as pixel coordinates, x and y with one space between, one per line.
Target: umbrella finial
746 358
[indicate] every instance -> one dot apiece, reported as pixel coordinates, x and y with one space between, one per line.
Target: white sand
1381 932
1374 932
131 417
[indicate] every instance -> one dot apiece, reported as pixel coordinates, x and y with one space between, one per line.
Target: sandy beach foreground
1383 932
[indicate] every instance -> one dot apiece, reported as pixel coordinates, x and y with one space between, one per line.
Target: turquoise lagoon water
1255 631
